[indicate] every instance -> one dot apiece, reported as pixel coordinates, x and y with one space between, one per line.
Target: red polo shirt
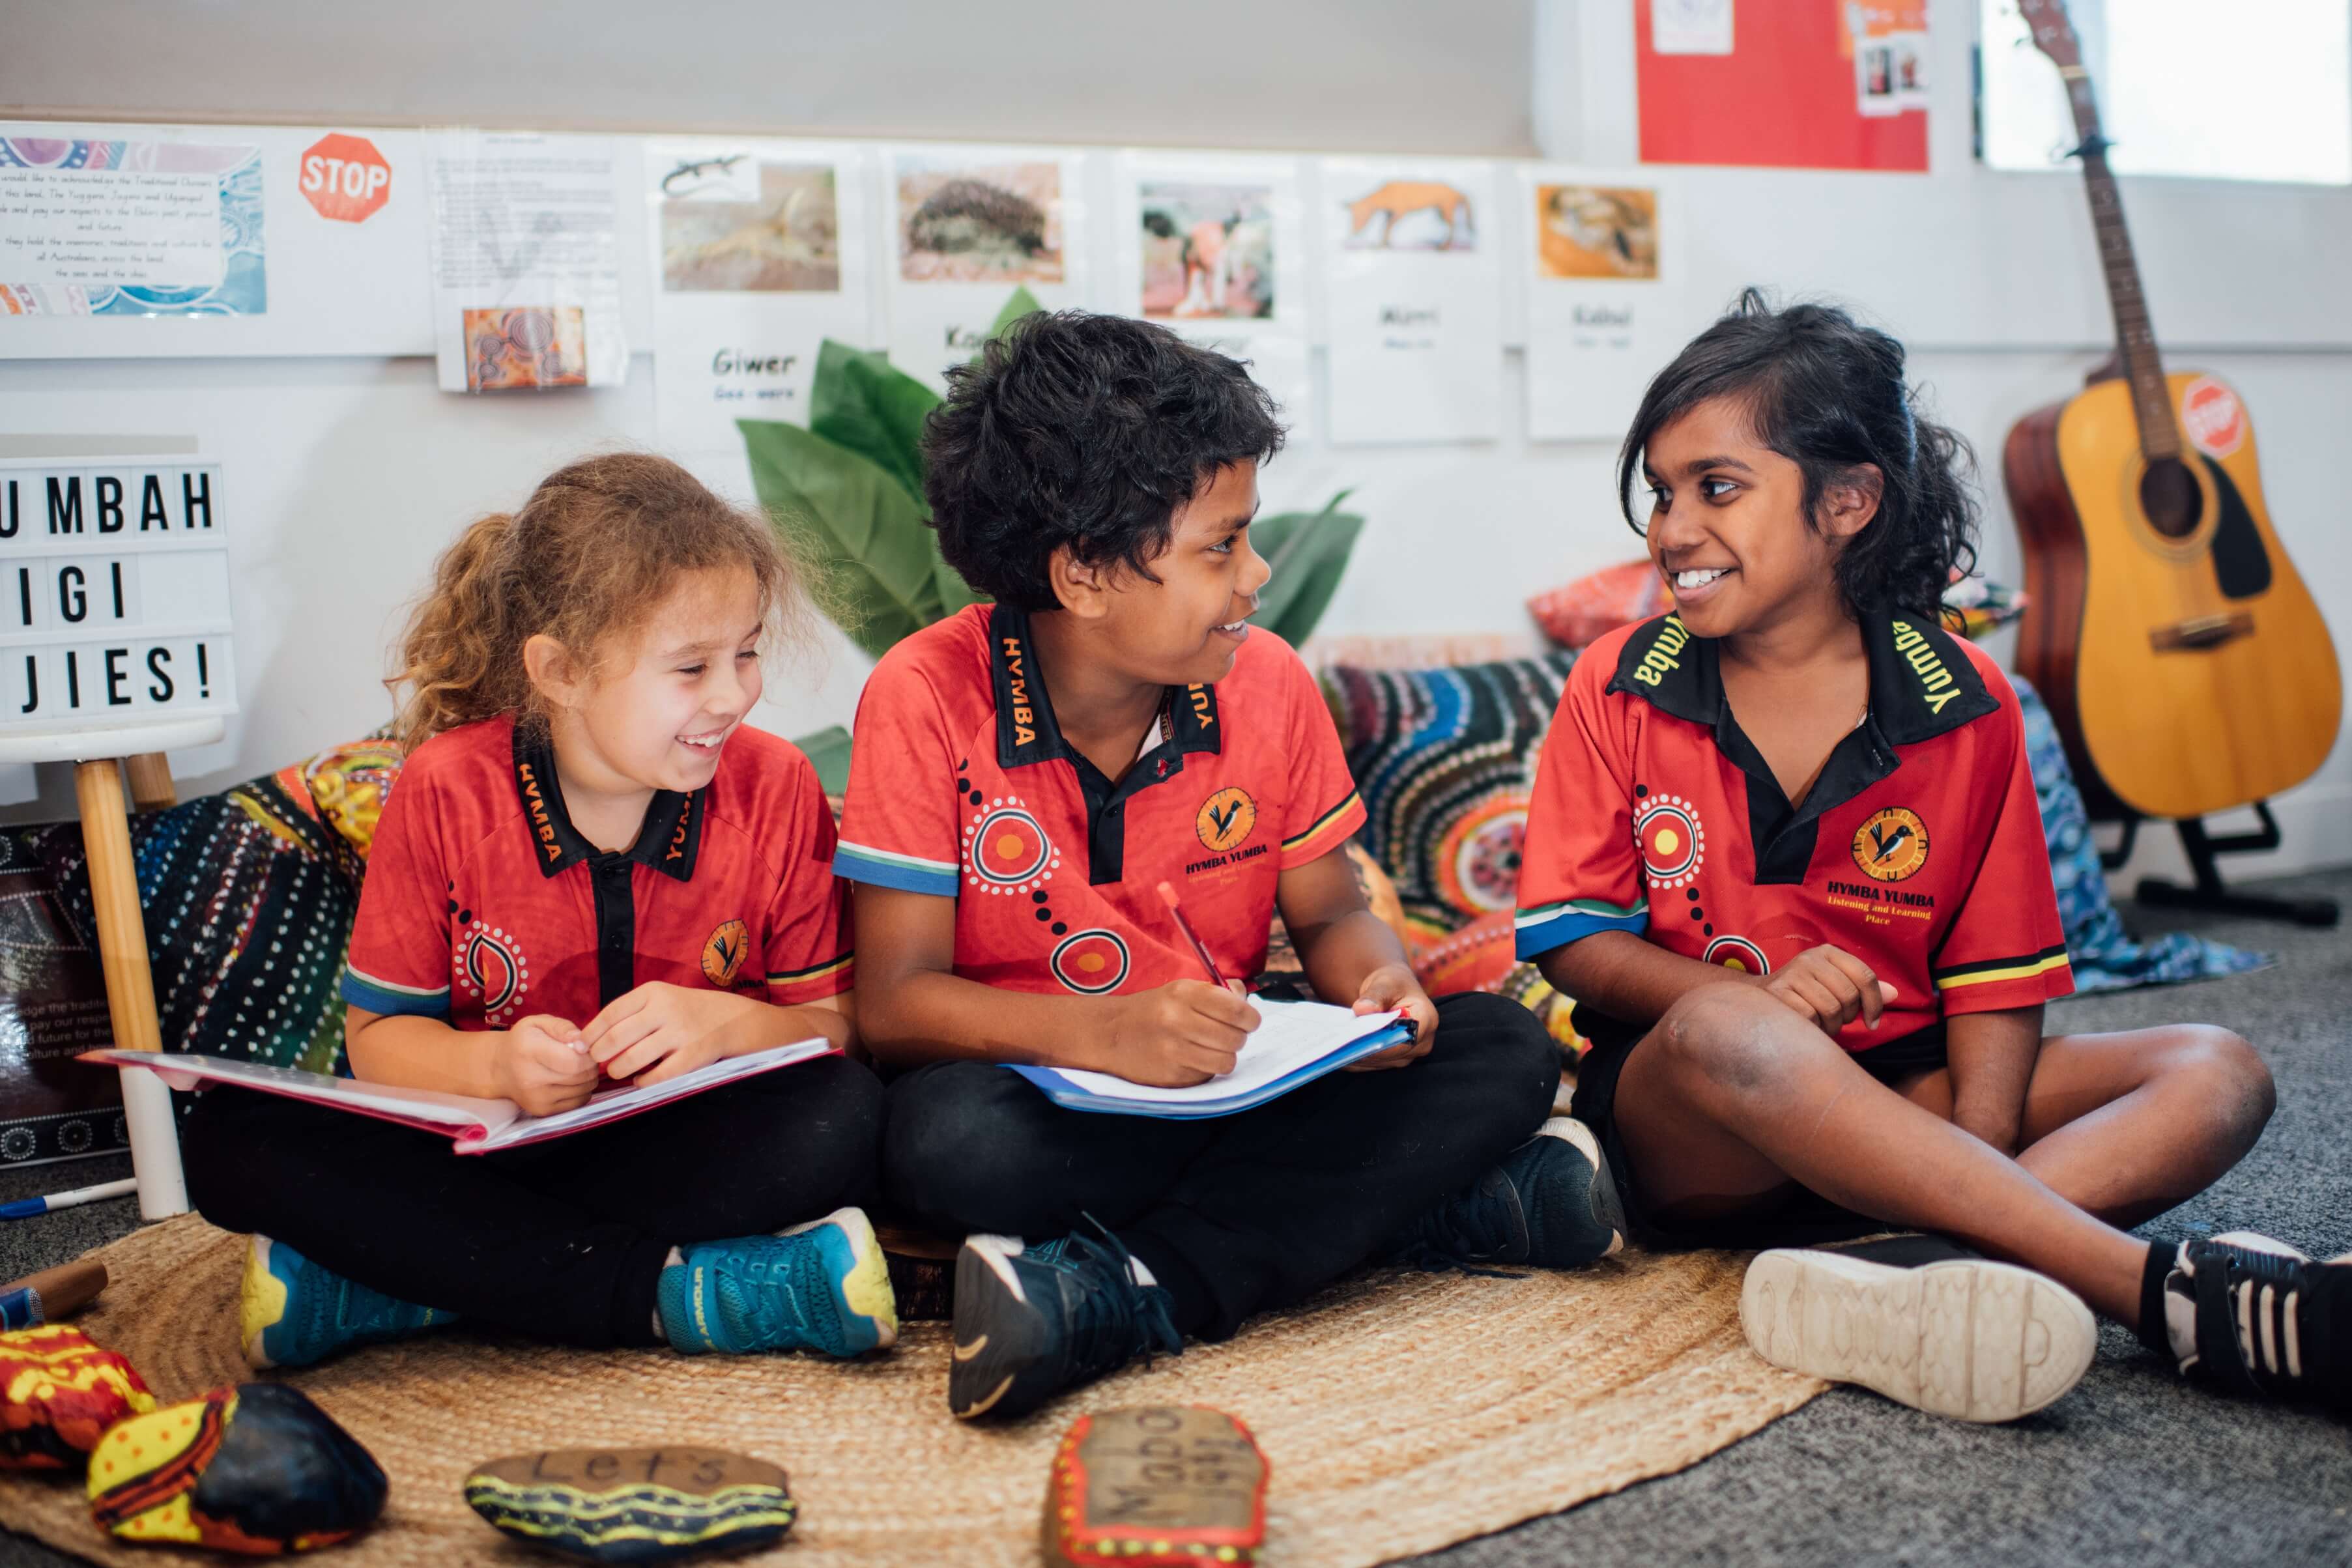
1919 849
483 904
961 785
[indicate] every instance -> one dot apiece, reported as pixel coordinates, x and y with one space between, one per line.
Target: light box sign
114 599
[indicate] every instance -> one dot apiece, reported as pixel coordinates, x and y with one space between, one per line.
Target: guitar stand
2211 892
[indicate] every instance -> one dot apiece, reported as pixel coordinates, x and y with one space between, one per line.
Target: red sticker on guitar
2215 419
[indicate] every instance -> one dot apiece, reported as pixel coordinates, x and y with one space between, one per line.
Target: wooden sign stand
100 756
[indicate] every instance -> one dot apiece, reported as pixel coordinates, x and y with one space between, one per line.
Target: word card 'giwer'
114 596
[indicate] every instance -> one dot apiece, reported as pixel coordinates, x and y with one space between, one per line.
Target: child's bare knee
2236 1081
1732 1034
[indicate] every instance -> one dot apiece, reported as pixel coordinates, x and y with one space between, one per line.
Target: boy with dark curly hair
1026 774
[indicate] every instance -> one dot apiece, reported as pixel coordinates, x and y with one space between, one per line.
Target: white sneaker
1967 1338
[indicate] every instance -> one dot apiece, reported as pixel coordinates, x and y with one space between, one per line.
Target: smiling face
1728 525
658 719
1187 627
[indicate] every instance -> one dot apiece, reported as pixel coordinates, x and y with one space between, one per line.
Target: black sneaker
2269 1321
1551 1204
1031 1322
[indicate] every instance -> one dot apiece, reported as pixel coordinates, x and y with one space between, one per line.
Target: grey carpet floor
2131 1469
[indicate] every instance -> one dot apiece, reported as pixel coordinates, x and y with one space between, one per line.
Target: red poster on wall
1783 84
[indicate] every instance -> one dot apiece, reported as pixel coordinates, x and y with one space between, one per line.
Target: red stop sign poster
345 177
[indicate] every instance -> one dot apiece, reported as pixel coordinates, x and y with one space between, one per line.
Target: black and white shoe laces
2265 1317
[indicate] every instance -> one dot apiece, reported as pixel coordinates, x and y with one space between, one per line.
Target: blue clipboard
1062 1092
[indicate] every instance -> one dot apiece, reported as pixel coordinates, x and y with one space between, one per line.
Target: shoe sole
261 1303
865 1286
1600 1199
1972 1339
996 1330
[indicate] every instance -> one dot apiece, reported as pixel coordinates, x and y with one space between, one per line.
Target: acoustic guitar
2183 660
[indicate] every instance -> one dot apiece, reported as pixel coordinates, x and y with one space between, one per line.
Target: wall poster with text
1604 298
759 254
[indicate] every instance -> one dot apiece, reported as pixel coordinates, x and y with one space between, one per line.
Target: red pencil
1167 898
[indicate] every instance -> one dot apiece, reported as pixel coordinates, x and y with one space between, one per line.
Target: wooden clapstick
64 1290
1156 1486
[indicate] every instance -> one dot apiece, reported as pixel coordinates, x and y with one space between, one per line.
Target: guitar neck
2160 434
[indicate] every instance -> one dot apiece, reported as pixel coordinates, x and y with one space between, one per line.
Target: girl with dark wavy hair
1785 852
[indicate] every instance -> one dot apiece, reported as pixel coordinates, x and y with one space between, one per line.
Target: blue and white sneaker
292 1312
1031 1322
823 1286
1550 1203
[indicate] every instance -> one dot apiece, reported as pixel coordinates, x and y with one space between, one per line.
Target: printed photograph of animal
985 224
1590 231
1208 251
787 241
1433 215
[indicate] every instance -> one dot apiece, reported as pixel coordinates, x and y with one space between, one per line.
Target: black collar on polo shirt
1921 686
1026 733
667 841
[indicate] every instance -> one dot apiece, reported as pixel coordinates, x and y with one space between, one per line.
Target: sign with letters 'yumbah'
114 600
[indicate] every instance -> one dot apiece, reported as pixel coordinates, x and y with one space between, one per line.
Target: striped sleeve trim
391 998
1325 831
884 868
1552 925
814 972
2024 967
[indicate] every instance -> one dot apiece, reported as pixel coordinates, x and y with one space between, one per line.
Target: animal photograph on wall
998 223
733 224
1593 231
1208 250
1410 215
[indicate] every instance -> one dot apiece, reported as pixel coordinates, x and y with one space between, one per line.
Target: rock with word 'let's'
59 1393
635 1505
1155 1486
256 1469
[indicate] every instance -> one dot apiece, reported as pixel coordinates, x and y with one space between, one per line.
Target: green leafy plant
852 484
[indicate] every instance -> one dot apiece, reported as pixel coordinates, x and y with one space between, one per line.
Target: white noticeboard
114 593
1412 292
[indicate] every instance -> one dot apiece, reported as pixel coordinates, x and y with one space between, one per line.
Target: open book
474 1126
1296 1043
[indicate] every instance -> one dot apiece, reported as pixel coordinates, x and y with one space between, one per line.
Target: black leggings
562 1240
1234 1215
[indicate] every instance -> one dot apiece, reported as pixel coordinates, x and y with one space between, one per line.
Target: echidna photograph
994 223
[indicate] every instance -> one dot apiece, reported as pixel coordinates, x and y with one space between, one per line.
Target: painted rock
635 1505
1157 1484
256 1468
59 1393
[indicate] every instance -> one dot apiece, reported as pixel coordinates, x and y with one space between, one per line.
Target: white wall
350 473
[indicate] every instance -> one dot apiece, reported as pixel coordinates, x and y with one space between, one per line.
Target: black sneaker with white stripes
2268 1320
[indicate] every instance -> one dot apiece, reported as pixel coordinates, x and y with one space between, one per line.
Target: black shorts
1805 1218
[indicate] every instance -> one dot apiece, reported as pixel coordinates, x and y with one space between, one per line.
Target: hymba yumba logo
1224 820
1891 845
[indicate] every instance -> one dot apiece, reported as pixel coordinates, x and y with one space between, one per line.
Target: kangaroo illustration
1400 198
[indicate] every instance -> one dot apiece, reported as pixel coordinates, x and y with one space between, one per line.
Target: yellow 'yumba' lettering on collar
1664 654
1936 686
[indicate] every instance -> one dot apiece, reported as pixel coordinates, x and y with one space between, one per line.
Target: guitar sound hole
2167 495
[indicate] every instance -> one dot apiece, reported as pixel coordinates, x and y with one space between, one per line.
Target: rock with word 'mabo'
256 1468
1156 1485
635 1505
59 1393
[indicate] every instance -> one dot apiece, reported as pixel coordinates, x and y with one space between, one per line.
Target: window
2252 90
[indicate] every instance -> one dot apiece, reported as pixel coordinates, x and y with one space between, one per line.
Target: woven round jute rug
1400 1412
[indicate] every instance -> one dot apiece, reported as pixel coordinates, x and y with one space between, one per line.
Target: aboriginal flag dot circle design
1667 832
1005 849
1738 953
1091 963
489 967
